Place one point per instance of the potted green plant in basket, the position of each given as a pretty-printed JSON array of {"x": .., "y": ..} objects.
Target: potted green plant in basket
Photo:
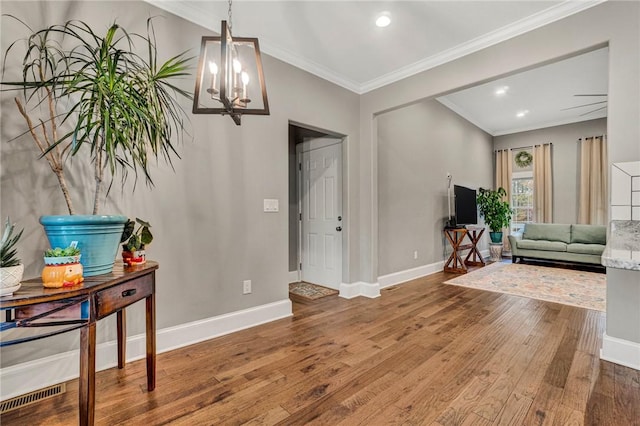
[
  {"x": 96, "y": 95},
  {"x": 135, "y": 241},
  {"x": 11, "y": 267},
  {"x": 495, "y": 211}
]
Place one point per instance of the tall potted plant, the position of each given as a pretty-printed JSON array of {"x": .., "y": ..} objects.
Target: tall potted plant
[
  {"x": 495, "y": 211},
  {"x": 103, "y": 99}
]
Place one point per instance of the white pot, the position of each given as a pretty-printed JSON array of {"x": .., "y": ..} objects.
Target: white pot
[{"x": 10, "y": 278}]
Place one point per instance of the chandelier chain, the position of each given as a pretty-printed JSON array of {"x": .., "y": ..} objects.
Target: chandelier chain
[{"x": 230, "y": 1}]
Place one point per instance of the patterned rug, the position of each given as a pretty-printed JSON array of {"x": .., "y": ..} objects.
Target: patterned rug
[
  {"x": 567, "y": 286},
  {"x": 310, "y": 291}
]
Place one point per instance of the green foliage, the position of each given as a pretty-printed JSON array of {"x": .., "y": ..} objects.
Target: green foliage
[
  {"x": 136, "y": 239},
  {"x": 122, "y": 107},
  {"x": 62, "y": 252},
  {"x": 495, "y": 211},
  {"x": 8, "y": 252}
]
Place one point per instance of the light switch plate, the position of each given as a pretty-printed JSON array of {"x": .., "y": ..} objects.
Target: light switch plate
[{"x": 271, "y": 205}]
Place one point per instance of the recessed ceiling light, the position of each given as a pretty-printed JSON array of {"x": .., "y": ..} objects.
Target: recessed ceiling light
[
  {"x": 501, "y": 91},
  {"x": 383, "y": 19},
  {"x": 522, "y": 113}
]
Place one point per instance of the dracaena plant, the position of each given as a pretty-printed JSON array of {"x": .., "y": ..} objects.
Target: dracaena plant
[{"x": 118, "y": 106}]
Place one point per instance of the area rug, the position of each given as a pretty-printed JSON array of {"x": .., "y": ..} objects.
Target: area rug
[
  {"x": 567, "y": 286},
  {"x": 310, "y": 291}
]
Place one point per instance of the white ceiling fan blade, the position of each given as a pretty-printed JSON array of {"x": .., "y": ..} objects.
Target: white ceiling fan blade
[
  {"x": 583, "y": 105},
  {"x": 591, "y": 112}
]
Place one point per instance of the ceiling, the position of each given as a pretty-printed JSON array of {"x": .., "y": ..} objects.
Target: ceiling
[
  {"x": 338, "y": 41},
  {"x": 547, "y": 93}
]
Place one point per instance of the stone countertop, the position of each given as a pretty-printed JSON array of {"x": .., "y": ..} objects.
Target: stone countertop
[{"x": 623, "y": 246}]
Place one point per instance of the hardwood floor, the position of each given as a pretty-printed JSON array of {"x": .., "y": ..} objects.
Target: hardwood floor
[{"x": 423, "y": 353}]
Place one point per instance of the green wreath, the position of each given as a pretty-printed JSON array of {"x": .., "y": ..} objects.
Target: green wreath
[{"x": 523, "y": 159}]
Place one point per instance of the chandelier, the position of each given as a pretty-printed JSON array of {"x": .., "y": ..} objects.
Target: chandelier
[{"x": 230, "y": 80}]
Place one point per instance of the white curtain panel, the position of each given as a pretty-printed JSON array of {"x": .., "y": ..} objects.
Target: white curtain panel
[
  {"x": 542, "y": 184},
  {"x": 594, "y": 186},
  {"x": 504, "y": 166}
]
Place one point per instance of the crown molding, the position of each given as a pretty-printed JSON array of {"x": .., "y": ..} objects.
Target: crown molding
[
  {"x": 530, "y": 23},
  {"x": 194, "y": 12},
  {"x": 536, "y": 126},
  {"x": 197, "y": 13},
  {"x": 546, "y": 125},
  {"x": 308, "y": 66},
  {"x": 465, "y": 114}
]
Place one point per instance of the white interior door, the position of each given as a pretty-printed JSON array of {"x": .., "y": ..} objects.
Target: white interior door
[{"x": 321, "y": 212}]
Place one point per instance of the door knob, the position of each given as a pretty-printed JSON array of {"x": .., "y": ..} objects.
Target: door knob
[{"x": 338, "y": 228}]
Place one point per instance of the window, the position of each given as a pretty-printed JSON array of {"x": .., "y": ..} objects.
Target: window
[{"x": 521, "y": 200}]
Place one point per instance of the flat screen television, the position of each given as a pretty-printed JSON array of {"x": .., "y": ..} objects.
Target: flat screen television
[{"x": 466, "y": 208}]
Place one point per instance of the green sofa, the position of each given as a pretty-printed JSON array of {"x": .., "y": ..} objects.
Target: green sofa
[{"x": 558, "y": 242}]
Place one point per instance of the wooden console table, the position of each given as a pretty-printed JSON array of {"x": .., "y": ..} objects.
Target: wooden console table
[
  {"x": 80, "y": 308},
  {"x": 455, "y": 236}
]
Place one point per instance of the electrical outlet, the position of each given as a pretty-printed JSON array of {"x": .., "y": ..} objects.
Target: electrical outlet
[
  {"x": 415, "y": 254},
  {"x": 246, "y": 287}
]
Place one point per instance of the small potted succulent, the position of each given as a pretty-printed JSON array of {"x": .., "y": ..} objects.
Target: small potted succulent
[
  {"x": 62, "y": 267},
  {"x": 11, "y": 268},
  {"x": 135, "y": 241}
]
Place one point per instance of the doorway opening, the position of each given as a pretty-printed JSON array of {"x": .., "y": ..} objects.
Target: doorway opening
[{"x": 317, "y": 217}]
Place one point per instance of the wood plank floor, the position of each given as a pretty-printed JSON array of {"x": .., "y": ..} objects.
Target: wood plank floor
[{"x": 425, "y": 353}]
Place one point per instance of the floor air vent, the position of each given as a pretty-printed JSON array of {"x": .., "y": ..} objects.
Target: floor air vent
[{"x": 31, "y": 398}]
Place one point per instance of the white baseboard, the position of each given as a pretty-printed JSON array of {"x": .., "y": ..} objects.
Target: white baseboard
[
  {"x": 350, "y": 290},
  {"x": 409, "y": 274},
  {"x": 33, "y": 375},
  {"x": 370, "y": 290},
  {"x": 359, "y": 288},
  {"x": 419, "y": 272},
  {"x": 620, "y": 351},
  {"x": 294, "y": 277}
]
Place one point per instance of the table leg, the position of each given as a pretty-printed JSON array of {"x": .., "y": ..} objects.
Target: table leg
[
  {"x": 122, "y": 337},
  {"x": 87, "y": 374},
  {"x": 151, "y": 342},
  {"x": 474, "y": 258},
  {"x": 454, "y": 262},
  {"x": 452, "y": 257}
]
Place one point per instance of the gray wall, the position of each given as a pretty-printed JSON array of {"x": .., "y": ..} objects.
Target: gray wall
[
  {"x": 210, "y": 231},
  {"x": 615, "y": 23},
  {"x": 417, "y": 146},
  {"x": 565, "y": 159},
  {"x": 211, "y": 206}
]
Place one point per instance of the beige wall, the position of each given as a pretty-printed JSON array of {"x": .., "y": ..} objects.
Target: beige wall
[
  {"x": 417, "y": 146},
  {"x": 565, "y": 160}
]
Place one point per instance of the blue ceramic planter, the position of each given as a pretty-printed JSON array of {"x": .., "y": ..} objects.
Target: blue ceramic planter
[{"x": 98, "y": 238}]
